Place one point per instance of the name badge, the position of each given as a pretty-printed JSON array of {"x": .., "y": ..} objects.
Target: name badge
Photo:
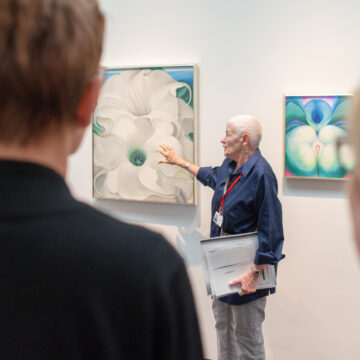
[{"x": 218, "y": 219}]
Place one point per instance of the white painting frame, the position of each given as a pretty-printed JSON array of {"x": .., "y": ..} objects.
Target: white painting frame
[{"x": 138, "y": 109}]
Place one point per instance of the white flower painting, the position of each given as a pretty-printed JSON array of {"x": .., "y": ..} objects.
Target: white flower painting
[{"x": 137, "y": 110}]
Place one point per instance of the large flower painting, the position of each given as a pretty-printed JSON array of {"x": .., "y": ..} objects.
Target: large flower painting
[
  {"x": 139, "y": 109},
  {"x": 312, "y": 126}
]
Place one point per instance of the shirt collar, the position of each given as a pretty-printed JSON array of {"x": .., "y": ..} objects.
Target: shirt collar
[
  {"x": 246, "y": 168},
  {"x": 27, "y": 187}
]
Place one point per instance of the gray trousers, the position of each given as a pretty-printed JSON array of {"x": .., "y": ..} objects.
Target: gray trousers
[{"x": 239, "y": 330}]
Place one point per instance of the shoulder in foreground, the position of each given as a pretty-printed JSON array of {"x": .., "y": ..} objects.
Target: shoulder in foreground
[{"x": 101, "y": 227}]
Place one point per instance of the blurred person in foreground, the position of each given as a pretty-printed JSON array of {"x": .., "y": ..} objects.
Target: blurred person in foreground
[
  {"x": 74, "y": 283},
  {"x": 245, "y": 200},
  {"x": 354, "y": 188}
]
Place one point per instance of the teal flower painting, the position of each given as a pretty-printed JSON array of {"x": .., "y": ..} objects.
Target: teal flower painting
[
  {"x": 139, "y": 109},
  {"x": 312, "y": 126}
]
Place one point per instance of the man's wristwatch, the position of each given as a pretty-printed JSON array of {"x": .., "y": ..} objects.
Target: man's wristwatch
[{"x": 255, "y": 271}]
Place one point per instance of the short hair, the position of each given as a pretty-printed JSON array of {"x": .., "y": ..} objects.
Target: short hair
[
  {"x": 49, "y": 50},
  {"x": 354, "y": 133},
  {"x": 247, "y": 124}
]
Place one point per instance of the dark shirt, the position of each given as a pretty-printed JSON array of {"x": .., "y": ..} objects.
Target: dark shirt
[
  {"x": 77, "y": 284},
  {"x": 251, "y": 205}
]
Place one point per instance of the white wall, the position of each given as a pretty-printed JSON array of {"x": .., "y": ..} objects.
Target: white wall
[{"x": 249, "y": 54}]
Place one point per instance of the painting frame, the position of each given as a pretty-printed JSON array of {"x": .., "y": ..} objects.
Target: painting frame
[
  {"x": 169, "y": 69},
  {"x": 313, "y": 96}
]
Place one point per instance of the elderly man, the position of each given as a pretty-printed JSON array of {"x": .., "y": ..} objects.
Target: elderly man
[
  {"x": 75, "y": 283},
  {"x": 245, "y": 199}
]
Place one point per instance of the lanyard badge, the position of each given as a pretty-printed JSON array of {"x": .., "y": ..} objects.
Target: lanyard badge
[
  {"x": 218, "y": 216},
  {"x": 218, "y": 219}
]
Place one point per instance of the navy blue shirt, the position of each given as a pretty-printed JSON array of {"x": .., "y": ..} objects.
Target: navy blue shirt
[{"x": 251, "y": 205}]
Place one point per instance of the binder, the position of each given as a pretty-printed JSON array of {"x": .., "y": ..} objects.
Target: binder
[{"x": 226, "y": 258}]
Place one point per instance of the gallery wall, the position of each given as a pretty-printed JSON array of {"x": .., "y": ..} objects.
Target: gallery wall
[{"x": 250, "y": 53}]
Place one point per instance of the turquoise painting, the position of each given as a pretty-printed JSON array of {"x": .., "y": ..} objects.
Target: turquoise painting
[
  {"x": 138, "y": 109},
  {"x": 312, "y": 126}
]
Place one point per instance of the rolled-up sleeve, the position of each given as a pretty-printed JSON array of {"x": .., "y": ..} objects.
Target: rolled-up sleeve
[
  {"x": 269, "y": 224},
  {"x": 207, "y": 175}
]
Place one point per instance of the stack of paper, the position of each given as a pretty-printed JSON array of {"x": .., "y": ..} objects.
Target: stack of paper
[{"x": 226, "y": 258}]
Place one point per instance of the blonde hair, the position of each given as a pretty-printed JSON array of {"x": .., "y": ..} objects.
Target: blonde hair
[
  {"x": 247, "y": 124},
  {"x": 49, "y": 49}
]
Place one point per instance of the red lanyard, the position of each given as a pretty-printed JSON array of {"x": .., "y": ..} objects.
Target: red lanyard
[{"x": 228, "y": 190}]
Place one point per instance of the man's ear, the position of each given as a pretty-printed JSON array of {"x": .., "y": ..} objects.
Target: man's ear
[{"x": 88, "y": 102}]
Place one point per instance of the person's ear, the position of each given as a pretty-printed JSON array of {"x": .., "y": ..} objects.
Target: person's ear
[
  {"x": 246, "y": 139},
  {"x": 88, "y": 102}
]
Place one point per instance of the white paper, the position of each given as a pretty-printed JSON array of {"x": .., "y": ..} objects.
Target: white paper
[{"x": 226, "y": 258}]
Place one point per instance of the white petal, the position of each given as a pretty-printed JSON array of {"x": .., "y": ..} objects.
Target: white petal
[
  {"x": 109, "y": 107},
  {"x": 175, "y": 113},
  {"x": 125, "y": 129},
  {"x": 149, "y": 178},
  {"x": 117, "y": 87},
  {"x": 133, "y": 88},
  {"x": 99, "y": 185},
  {"x": 109, "y": 152},
  {"x": 186, "y": 119},
  {"x": 186, "y": 116},
  {"x": 163, "y": 127},
  {"x": 144, "y": 128},
  {"x": 181, "y": 186},
  {"x": 125, "y": 91},
  {"x": 124, "y": 182},
  {"x": 187, "y": 127},
  {"x": 161, "y": 119},
  {"x": 187, "y": 147},
  {"x": 153, "y": 144},
  {"x": 164, "y": 102},
  {"x": 152, "y": 80}
]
